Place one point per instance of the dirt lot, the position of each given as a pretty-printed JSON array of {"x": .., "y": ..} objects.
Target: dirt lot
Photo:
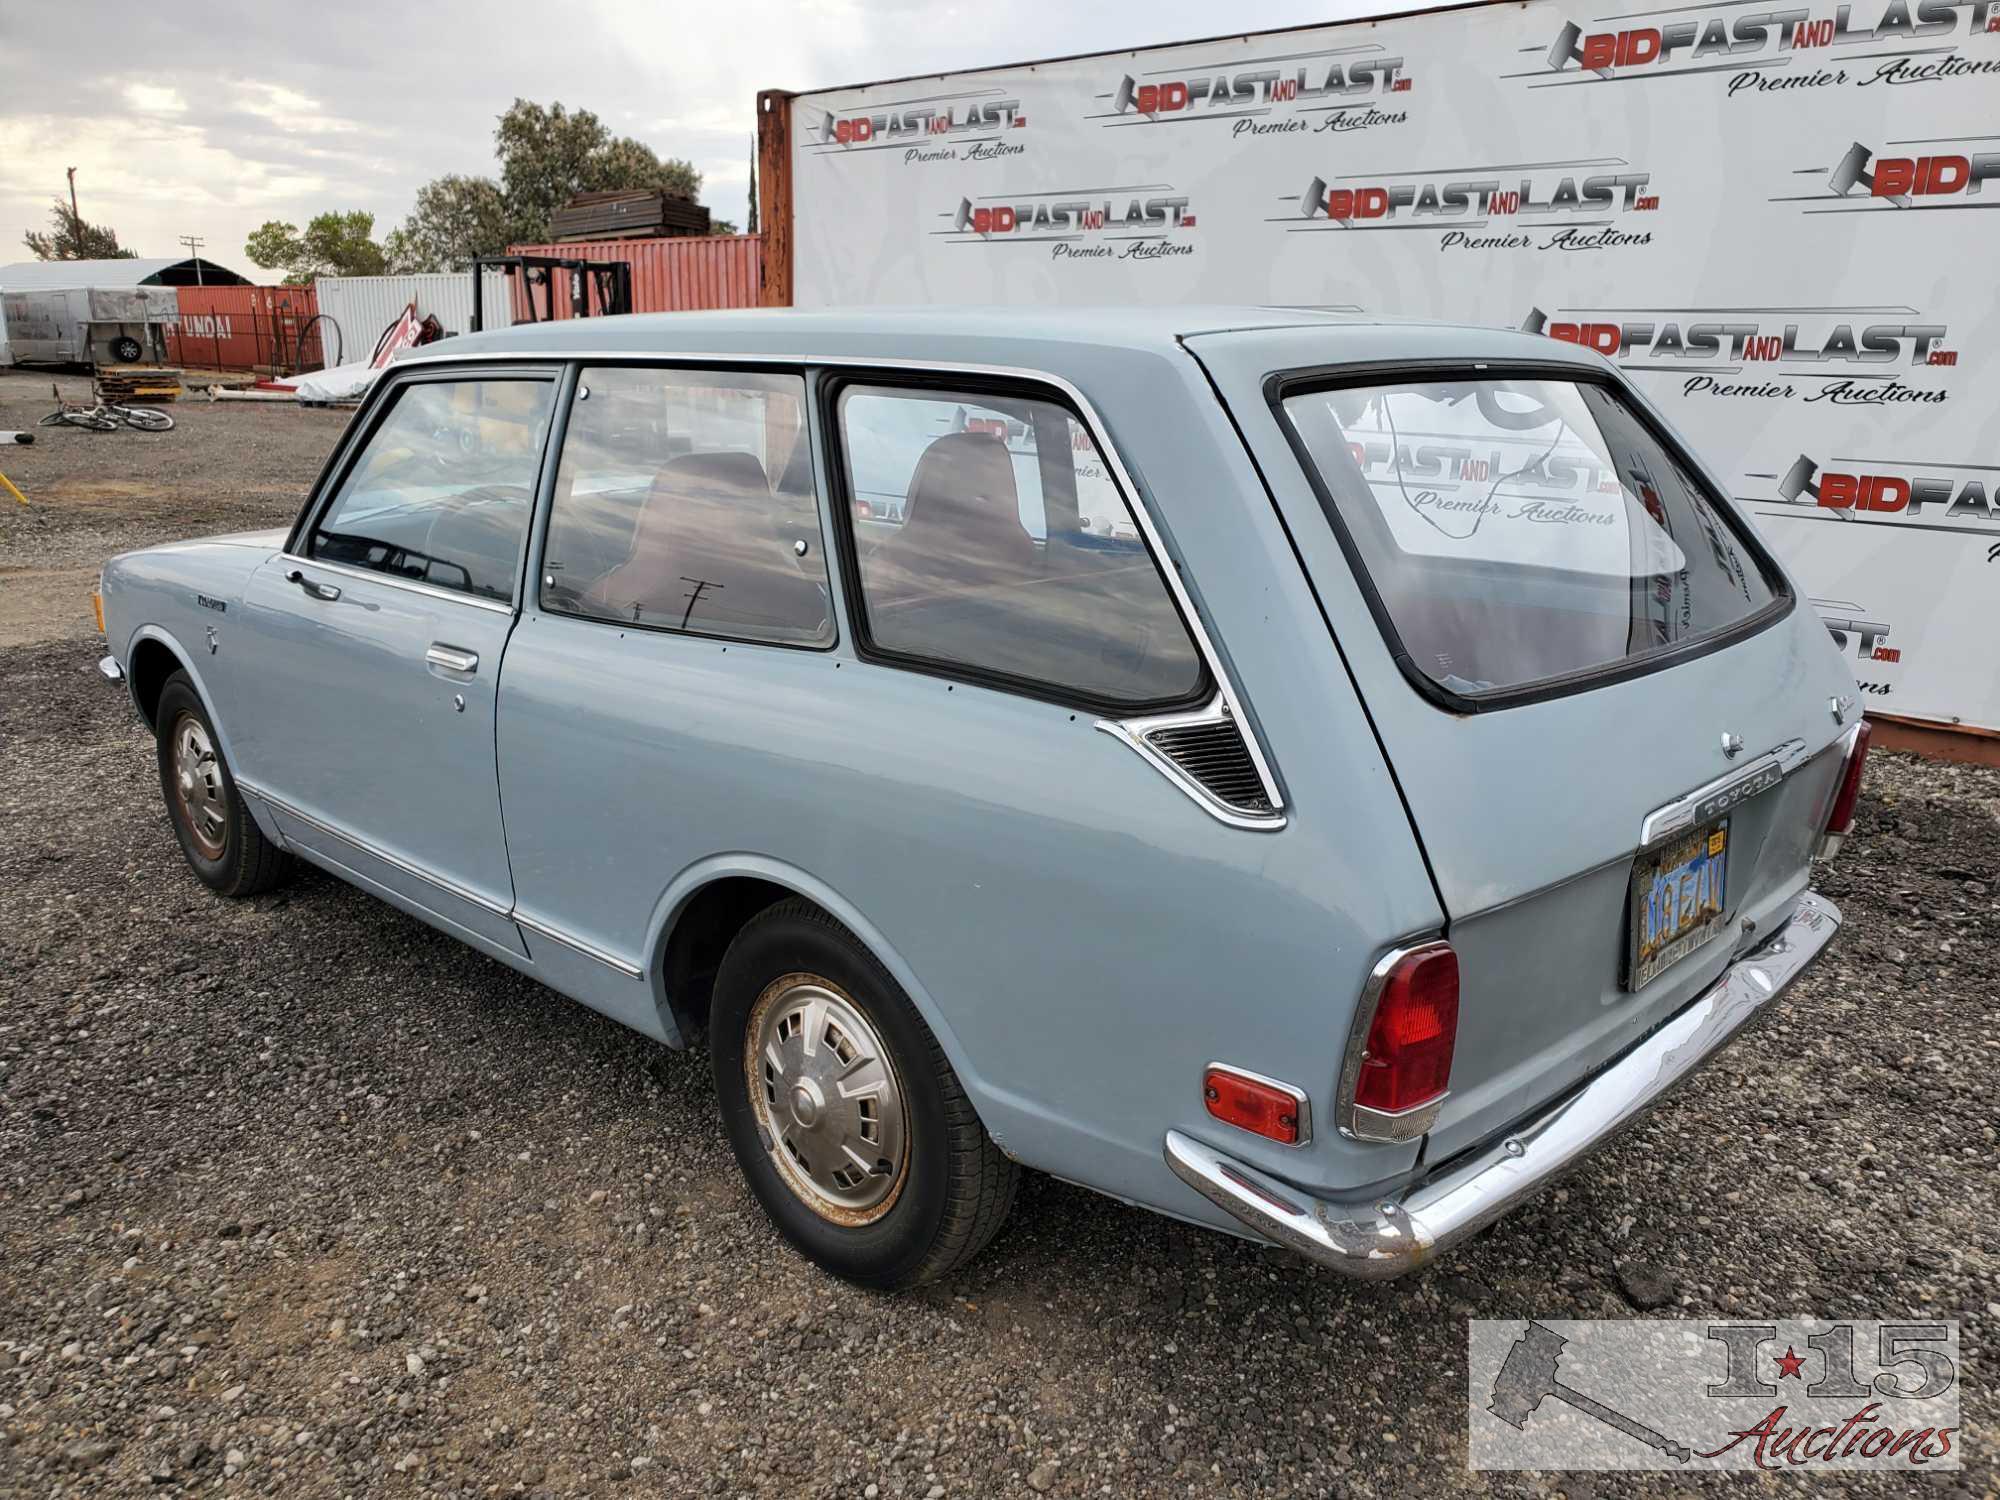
[{"x": 300, "y": 1198}]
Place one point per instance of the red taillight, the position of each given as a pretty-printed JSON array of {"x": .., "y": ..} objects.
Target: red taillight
[
  {"x": 1841, "y": 818},
  {"x": 1408, "y": 1058},
  {"x": 1252, "y": 1104}
]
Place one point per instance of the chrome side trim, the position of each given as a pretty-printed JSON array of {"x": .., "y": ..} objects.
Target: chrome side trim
[
  {"x": 1357, "y": 1121},
  {"x": 410, "y": 585},
  {"x": 1134, "y": 732},
  {"x": 395, "y": 861},
  {"x": 1402, "y": 1229},
  {"x": 109, "y": 666},
  {"x": 1715, "y": 798},
  {"x": 1141, "y": 514},
  {"x": 1302, "y": 1102},
  {"x": 577, "y": 945}
]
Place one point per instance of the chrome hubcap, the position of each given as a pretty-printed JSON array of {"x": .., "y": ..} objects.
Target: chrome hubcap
[
  {"x": 828, "y": 1105},
  {"x": 204, "y": 803}
]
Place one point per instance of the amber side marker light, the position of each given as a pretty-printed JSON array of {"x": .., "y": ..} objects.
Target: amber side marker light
[
  {"x": 97, "y": 608},
  {"x": 1258, "y": 1105}
]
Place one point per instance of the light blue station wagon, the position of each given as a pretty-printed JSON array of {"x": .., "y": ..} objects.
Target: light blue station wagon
[{"x": 1315, "y": 778}]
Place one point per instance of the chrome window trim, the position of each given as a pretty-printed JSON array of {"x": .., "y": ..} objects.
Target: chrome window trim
[
  {"x": 1357, "y": 1121},
  {"x": 578, "y": 945},
  {"x": 429, "y": 589},
  {"x": 1701, "y": 804},
  {"x": 1133, "y": 732},
  {"x": 394, "y": 861},
  {"x": 1300, "y": 1100},
  {"x": 1135, "y": 498}
]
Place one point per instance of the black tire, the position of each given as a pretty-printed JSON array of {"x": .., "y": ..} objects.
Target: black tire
[
  {"x": 955, "y": 1188},
  {"x": 126, "y": 349},
  {"x": 222, "y": 842}
]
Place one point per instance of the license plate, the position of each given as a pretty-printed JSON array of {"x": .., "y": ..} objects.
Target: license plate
[{"x": 1678, "y": 892}]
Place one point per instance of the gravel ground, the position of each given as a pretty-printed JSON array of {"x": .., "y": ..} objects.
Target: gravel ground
[{"x": 300, "y": 1198}]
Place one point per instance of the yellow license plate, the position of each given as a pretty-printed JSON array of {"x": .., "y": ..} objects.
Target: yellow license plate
[{"x": 1678, "y": 895}]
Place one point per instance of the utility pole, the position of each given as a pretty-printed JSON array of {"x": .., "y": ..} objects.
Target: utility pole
[
  {"x": 74, "y": 216},
  {"x": 194, "y": 243}
]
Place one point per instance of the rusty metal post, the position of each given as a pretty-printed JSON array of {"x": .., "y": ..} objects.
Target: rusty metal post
[{"x": 774, "y": 194}]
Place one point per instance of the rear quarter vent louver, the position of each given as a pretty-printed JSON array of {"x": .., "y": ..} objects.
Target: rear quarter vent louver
[
  {"x": 1214, "y": 756},
  {"x": 1208, "y": 754}
]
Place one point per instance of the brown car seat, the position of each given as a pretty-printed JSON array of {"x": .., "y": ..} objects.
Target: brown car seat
[
  {"x": 705, "y": 555},
  {"x": 961, "y": 525}
]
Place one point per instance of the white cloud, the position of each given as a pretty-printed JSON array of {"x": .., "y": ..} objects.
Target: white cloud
[
  {"x": 289, "y": 110},
  {"x": 153, "y": 99}
]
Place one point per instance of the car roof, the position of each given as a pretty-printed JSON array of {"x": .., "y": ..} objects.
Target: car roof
[{"x": 976, "y": 335}]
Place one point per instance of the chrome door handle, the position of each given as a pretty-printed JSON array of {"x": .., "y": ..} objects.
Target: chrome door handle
[
  {"x": 324, "y": 591},
  {"x": 452, "y": 658}
]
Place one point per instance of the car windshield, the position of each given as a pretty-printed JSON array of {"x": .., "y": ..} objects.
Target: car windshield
[{"x": 1515, "y": 531}]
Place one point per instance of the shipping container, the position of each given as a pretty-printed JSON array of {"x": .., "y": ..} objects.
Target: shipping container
[
  {"x": 677, "y": 274},
  {"x": 249, "y": 328},
  {"x": 363, "y": 306}
]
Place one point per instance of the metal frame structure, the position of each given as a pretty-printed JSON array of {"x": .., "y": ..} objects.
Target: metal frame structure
[{"x": 611, "y": 280}]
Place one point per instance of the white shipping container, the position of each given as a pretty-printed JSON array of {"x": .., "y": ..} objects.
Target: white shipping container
[{"x": 365, "y": 305}]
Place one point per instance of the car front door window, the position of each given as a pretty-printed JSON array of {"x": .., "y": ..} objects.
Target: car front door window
[{"x": 442, "y": 491}]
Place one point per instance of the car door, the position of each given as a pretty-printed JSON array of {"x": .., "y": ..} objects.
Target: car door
[
  {"x": 379, "y": 634},
  {"x": 681, "y": 593}
]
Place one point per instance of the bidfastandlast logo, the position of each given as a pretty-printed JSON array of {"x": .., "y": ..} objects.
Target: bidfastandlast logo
[
  {"x": 1317, "y": 93},
  {"x": 1856, "y": 487},
  {"x": 1135, "y": 224},
  {"x": 1548, "y": 207},
  {"x": 1796, "y": 1396},
  {"x": 1766, "y": 50},
  {"x": 1893, "y": 182},
  {"x": 1854, "y": 633},
  {"x": 1765, "y": 353},
  {"x": 931, "y": 130}
]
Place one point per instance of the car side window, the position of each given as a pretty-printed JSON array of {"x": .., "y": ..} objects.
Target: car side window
[
  {"x": 685, "y": 501},
  {"x": 443, "y": 489},
  {"x": 990, "y": 535}
]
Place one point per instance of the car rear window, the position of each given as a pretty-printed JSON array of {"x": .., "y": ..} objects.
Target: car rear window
[{"x": 1516, "y": 532}]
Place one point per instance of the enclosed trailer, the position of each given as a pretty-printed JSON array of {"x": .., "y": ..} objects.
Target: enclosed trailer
[{"x": 90, "y": 325}]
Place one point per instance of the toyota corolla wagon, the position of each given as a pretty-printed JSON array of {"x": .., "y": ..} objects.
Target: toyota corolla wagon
[{"x": 1314, "y": 778}]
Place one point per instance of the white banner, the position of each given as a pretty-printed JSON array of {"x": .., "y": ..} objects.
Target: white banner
[{"x": 1758, "y": 209}]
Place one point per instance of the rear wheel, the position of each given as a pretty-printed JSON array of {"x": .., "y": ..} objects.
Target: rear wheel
[
  {"x": 221, "y": 840},
  {"x": 849, "y": 1123}
]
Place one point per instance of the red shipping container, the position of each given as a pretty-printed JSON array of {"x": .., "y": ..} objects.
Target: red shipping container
[
  {"x": 246, "y": 328},
  {"x": 676, "y": 274}
]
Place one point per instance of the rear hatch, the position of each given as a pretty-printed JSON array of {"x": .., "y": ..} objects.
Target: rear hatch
[{"x": 1611, "y": 721}]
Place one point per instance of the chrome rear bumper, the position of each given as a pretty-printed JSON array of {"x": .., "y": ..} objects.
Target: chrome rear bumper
[{"x": 1385, "y": 1237}]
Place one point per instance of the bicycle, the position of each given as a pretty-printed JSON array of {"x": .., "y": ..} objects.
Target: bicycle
[{"x": 106, "y": 417}]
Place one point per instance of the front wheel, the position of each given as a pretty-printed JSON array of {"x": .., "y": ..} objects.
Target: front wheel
[
  {"x": 222, "y": 842},
  {"x": 849, "y": 1123},
  {"x": 145, "y": 418}
]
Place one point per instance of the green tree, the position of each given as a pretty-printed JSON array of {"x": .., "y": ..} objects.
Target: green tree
[
  {"x": 332, "y": 244},
  {"x": 455, "y": 219},
  {"x": 752, "y": 220},
  {"x": 549, "y": 155},
  {"x": 70, "y": 238}
]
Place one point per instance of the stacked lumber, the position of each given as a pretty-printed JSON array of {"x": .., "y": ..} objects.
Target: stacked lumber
[
  {"x": 627, "y": 215},
  {"x": 137, "y": 383}
]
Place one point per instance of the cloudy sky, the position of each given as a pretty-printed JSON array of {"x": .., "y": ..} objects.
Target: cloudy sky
[{"x": 208, "y": 119}]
